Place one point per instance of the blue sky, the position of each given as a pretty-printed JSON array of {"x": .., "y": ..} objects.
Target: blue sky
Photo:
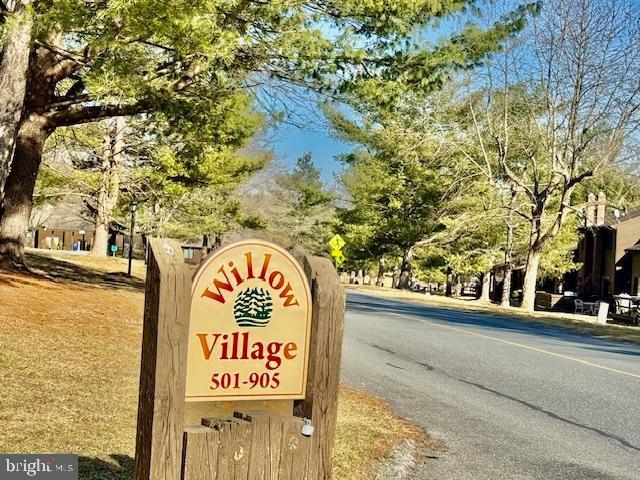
[{"x": 291, "y": 142}]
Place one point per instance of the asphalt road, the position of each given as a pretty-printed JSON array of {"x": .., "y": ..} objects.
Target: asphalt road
[{"x": 509, "y": 400}]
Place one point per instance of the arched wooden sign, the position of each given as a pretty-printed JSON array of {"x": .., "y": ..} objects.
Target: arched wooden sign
[{"x": 250, "y": 325}]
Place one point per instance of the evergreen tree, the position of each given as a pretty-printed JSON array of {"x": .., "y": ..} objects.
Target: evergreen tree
[
  {"x": 184, "y": 60},
  {"x": 297, "y": 208},
  {"x": 183, "y": 182}
]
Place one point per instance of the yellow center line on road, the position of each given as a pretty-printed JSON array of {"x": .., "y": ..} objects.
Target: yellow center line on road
[{"x": 516, "y": 344}]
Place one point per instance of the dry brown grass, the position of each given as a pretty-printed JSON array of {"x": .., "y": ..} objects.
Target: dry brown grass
[
  {"x": 70, "y": 356},
  {"x": 114, "y": 265},
  {"x": 579, "y": 323},
  {"x": 367, "y": 432}
]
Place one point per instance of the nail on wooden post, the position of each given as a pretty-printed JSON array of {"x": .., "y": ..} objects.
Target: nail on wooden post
[
  {"x": 323, "y": 378},
  {"x": 163, "y": 368}
]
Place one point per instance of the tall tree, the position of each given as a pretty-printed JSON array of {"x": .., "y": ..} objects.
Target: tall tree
[
  {"x": 109, "y": 184},
  {"x": 310, "y": 211},
  {"x": 16, "y": 30},
  {"x": 396, "y": 203},
  {"x": 94, "y": 60},
  {"x": 295, "y": 206},
  {"x": 578, "y": 109},
  {"x": 182, "y": 179}
]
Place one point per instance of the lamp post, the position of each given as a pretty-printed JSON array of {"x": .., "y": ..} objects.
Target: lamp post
[{"x": 134, "y": 207}]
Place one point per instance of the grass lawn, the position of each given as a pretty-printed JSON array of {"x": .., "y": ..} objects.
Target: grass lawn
[
  {"x": 578, "y": 323},
  {"x": 70, "y": 359}
]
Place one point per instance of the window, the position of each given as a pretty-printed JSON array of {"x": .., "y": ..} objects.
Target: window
[{"x": 188, "y": 253}]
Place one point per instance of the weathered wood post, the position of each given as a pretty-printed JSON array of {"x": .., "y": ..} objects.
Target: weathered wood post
[
  {"x": 164, "y": 363},
  {"x": 323, "y": 378},
  {"x": 232, "y": 350}
]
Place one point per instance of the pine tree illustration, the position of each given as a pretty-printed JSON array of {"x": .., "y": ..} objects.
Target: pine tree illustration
[{"x": 253, "y": 308}]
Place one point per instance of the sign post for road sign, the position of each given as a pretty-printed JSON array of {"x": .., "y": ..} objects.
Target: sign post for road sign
[{"x": 336, "y": 243}]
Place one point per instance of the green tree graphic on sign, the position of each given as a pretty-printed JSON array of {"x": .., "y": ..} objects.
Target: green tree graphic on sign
[{"x": 253, "y": 308}]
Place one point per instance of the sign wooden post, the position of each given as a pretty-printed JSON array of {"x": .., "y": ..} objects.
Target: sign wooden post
[
  {"x": 323, "y": 378},
  {"x": 255, "y": 332},
  {"x": 164, "y": 363}
]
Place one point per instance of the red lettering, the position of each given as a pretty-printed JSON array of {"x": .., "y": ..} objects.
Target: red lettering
[
  {"x": 249, "y": 265},
  {"x": 236, "y": 274},
  {"x": 272, "y": 280},
  {"x": 206, "y": 350},
  {"x": 238, "y": 346},
  {"x": 217, "y": 296},
  {"x": 288, "y": 349},
  {"x": 290, "y": 298},
  {"x": 265, "y": 265},
  {"x": 234, "y": 355}
]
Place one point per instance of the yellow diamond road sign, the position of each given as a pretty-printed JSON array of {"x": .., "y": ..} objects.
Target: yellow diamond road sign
[{"x": 337, "y": 242}]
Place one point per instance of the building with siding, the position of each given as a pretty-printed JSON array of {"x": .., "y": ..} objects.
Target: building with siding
[
  {"x": 608, "y": 251},
  {"x": 62, "y": 227}
]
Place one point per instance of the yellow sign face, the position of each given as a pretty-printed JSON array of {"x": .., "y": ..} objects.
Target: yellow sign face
[
  {"x": 337, "y": 242},
  {"x": 250, "y": 325}
]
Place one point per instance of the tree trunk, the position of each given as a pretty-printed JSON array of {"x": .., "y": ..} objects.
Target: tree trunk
[
  {"x": 101, "y": 236},
  {"x": 405, "y": 270},
  {"x": 109, "y": 185},
  {"x": 448, "y": 289},
  {"x": 13, "y": 82},
  {"x": 15, "y": 211},
  {"x": 531, "y": 280},
  {"x": 458, "y": 289},
  {"x": 486, "y": 283},
  {"x": 380, "y": 277},
  {"x": 505, "y": 301}
]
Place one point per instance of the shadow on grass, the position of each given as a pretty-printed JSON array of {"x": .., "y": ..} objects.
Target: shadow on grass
[
  {"x": 15, "y": 281},
  {"x": 120, "y": 468},
  {"x": 65, "y": 272}
]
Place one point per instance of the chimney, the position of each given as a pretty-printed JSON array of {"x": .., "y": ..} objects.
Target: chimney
[
  {"x": 600, "y": 208},
  {"x": 591, "y": 210}
]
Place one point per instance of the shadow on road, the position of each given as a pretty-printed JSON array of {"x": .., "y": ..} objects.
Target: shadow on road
[{"x": 362, "y": 303}]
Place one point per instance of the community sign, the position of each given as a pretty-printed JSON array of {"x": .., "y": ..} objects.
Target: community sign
[{"x": 250, "y": 325}]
